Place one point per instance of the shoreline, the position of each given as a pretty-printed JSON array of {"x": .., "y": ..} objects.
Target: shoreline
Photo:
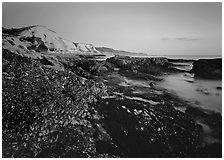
[
  {"x": 113, "y": 108},
  {"x": 129, "y": 88}
]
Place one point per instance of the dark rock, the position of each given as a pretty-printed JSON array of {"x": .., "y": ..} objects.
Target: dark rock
[
  {"x": 208, "y": 68},
  {"x": 219, "y": 88},
  {"x": 37, "y": 44},
  {"x": 45, "y": 112},
  {"x": 203, "y": 91},
  {"x": 212, "y": 119},
  {"x": 140, "y": 68},
  {"x": 122, "y": 61},
  {"x": 180, "y": 60},
  {"x": 107, "y": 147},
  {"x": 85, "y": 67},
  {"x": 211, "y": 150},
  {"x": 141, "y": 130},
  {"x": 45, "y": 61},
  {"x": 196, "y": 112}
]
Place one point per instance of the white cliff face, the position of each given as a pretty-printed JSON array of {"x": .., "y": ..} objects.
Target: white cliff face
[
  {"x": 13, "y": 44},
  {"x": 40, "y": 39},
  {"x": 86, "y": 48}
]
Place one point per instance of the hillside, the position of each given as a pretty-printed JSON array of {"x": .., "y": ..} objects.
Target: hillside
[{"x": 41, "y": 39}]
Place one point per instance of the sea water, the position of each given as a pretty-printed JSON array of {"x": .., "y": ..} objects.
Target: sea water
[
  {"x": 186, "y": 57},
  {"x": 199, "y": 92}
]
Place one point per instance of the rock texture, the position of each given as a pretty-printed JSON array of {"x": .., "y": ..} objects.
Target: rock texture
[
  {"x": 208, "y": 68},
  {"x": 46, "y": 113},
  {"x": 141, "y": 68},
  {"x": 143, "y": 130},
  {"x": 120, "y": 61}
]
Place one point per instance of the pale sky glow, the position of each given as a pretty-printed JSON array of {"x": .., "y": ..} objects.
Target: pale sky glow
[{"x": 153, "y": 28}]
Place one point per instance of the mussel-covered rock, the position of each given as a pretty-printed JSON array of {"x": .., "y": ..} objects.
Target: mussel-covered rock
[
  {"x": 46, "y": 112},
  {"x": 143, "y": 130}
]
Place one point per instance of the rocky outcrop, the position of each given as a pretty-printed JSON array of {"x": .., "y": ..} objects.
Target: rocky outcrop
[
  {"x": 142, "y": 130},
  {"x": 121, "y": 61},
  {"x": 180, "y": 60},
  {"x": 47, "y": 113},
  {"x": 140, "y": 68},
  {"x": 67, "y": 113},
  {"x": 208, "y": 68}
]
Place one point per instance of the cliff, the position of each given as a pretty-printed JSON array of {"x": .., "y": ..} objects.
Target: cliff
[{"x": 41, "y": 39}]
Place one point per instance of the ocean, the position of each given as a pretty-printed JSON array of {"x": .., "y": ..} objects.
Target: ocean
[
  {"x": 199, "y": 92},
  {"x": 188, "y": 57}
]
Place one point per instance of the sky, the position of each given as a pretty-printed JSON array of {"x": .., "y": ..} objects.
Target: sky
[{"x": 162, "y": 28}]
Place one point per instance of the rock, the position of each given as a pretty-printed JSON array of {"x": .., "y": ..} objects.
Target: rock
[
  {"x": 102, "y": 68},
  {"x": 141, "y": 68},
  {"x": 151, "y": 84},
  {"x": 161, "y": 131},
  {"x": 46, "y": 61},
  {"x": 208, "y": 68},
  {"x": 47, "y": 110},
  {"x": 118, "y": 61},
  {"x": 190, "y": 81},
  {"x": 190, "y": 75},
  {"x": 122, "y": 61},
  {"x": 195, "y": 111},
  {"x": 181, "y": 60},
  {"x": 211, "y": 150},
  {"x": 82, "y": 80},
  {"x": 204, "y": 91},
  {"x": 219, "y": 88}
]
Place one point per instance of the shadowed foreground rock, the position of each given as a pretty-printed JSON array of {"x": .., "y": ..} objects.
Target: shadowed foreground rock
[
  {"x": 143, "y": 130},
  {"x": 46, "y": 112}
]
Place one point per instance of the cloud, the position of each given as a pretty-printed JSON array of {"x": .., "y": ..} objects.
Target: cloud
[
  {"x": 165, "y": 38},
  {"x": 179, "y": 39}
]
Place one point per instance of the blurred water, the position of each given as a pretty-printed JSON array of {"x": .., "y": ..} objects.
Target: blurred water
[
  {"x": 187, "y": 66},
  {"x": 194, "y": 57},
  {"x": 188, "y": 57},
  {"x": 200, "y": 92}
]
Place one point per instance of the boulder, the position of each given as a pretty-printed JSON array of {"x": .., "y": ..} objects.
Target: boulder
[
  {"x": 208, "y": 68},
  {"x": 218, "y": 88}
]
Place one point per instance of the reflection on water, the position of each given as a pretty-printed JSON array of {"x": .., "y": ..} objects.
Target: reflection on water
[{"x": 200, "y": 92}]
